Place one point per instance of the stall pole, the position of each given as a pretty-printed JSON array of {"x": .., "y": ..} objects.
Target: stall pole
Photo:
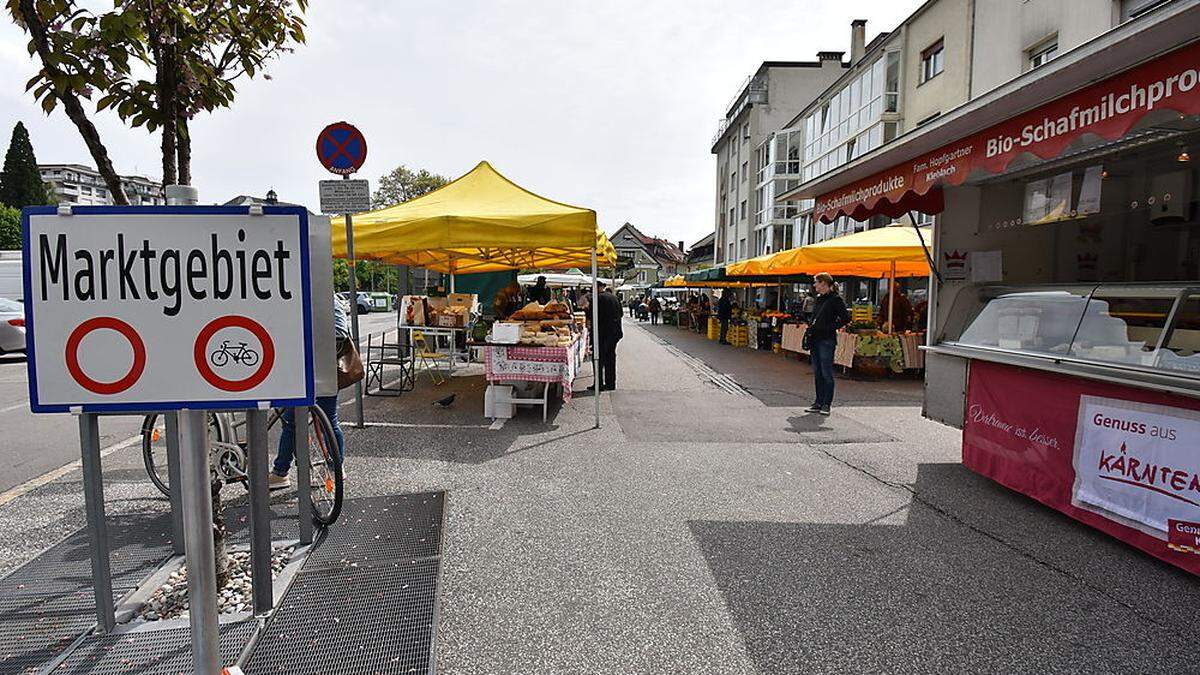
[
  {"x": 195, "y": 477},
  {"x": 452, "y": 275},
  {"x": 892, "y": 298},
  {"x": 596, "y": 337},
  {"x": 260, "y": 507},
  {"x": 93, "y": 499},
  {"x": 358, "y": 386}
]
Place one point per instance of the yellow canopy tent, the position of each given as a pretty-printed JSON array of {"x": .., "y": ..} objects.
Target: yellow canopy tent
[
  {"x": 864, "y": 254},
  {"x": 481, "y": 222}
]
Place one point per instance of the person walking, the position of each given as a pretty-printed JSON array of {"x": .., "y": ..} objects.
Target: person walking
[
  {"x": 655, "y": 310},
  {"x": 328, "y": 404},
  {"x": 725, "y": 313},
  {"x": 829, "y": 314},
  {"x": 608, "y": 331}
]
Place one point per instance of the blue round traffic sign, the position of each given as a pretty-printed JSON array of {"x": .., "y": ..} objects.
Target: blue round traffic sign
[{"x": 341, "y": 148}]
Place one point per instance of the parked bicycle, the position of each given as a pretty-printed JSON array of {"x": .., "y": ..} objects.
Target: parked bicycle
[
  {"x": 228, "y": 456},
  {"x": 240, "y": 353}
]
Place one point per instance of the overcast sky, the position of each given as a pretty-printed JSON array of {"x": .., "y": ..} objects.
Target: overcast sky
[{"x": 609, "y": 105}]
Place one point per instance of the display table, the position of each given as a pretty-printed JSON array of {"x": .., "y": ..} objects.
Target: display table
[
  {"x": 435, "y": 336},
  {"x": 504, "y": 364}
]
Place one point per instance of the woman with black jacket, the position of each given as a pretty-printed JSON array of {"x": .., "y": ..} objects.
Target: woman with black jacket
[{"x": 828, "y": 315}]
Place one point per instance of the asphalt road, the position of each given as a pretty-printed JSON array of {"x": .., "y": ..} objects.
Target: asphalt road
[{"x": 32, "y": 445}]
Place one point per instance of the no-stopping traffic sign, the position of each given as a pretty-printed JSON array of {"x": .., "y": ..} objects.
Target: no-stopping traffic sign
[
  {"x": 159, "y": 308},
  {"x": 341, "y": 148}
]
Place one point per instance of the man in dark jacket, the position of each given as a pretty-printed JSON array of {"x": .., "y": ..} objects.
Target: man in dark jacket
[
  {"x": 829, "y": 314},
  {"x": 725, "y": 313},
  {"x": 539, "y": 292},
  {"x": 608, "y": 332}
]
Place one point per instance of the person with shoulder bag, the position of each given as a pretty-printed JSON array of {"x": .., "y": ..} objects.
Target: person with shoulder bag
[
  {"x": 349, "y": 371},
  {"x": 829, "y": 315}
]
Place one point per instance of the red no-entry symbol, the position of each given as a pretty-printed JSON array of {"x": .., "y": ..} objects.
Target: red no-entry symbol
[
  {"x": 341, "y": 148},
  {"x": 239, "y": 353},
  {"x": 98, "y": 323}
]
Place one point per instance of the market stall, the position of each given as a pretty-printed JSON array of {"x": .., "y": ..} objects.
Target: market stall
[
  {"x": 480, "y": 222},
  {"x": 869, "y": 344},
  {"x": 1065, "y": 324}
]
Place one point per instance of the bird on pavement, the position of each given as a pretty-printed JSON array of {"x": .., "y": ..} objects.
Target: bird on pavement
[{"x": 445, "y": 402}]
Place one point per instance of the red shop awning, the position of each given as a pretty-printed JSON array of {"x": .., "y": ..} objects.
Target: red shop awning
[{"x": 1107, "y": 109}]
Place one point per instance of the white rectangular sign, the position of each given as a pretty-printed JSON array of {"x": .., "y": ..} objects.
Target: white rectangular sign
[
  {"x": 345, "y": 196},
  {"x": 160, "y": 308},
  {"x": 1137, "y": 463}
]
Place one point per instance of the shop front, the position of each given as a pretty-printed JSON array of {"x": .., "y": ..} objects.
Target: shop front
[{"x": 1064, "y": 323}]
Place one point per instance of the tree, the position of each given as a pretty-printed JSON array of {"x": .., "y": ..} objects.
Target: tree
[
  {"x": 10, "y": 228},
  {"x": 21, "y": 183},
  {"x": 74, "y": 63},
  {"x": 402, "y": 184},
  {"x": 196, "y": 50}
]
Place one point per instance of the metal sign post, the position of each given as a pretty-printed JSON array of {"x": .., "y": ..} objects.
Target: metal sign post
[
  {"x": 172, "y": 431},
  {"x": 260, "y": 510},
  {"x": 196, "y": 497},
  {"x": 93, "y": 497},
  {"x": 358, "y": 386},
  {"x": 342, "y": 149}
]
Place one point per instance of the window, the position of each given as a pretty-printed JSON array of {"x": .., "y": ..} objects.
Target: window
[
  {"x": 746, "y": 133},
  {"x": 742, "y": 248},
  {"x": 932, "y": 61},
  {"x": 1039, "y": 55},
  {"x": 891, "y": 92},
  {"x": 1132, "y": 9},
  {"x": 850, "y": 149},
  {"x": 731, "y": 218},
  {"x": 889, "y": 131},
  {"x": 1183, "y": 346},
  {"x": 730, "y": 258},
  {"x": 742, "y": 212},
  {"x": 745, "y": 170}
]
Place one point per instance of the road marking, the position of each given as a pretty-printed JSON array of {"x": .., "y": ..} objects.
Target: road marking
[
  {"x": 51, "y": 476},
  {"x": 497, "y": 424},
  {"x": 15, "y": 406}
]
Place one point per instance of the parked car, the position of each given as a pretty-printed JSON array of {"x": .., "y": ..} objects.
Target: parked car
[
  {"x": 12, "y": 326},
  {"x": 364, "y": 301}
]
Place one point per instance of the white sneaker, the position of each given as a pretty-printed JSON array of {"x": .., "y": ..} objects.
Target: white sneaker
[{"x": 277, "y": 482}]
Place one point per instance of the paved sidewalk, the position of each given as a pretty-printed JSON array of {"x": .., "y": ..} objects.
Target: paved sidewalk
[{"x": 720, "y": 530}]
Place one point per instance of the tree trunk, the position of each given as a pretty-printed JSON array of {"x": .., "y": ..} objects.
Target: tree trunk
[
  {"x": 74, "y": 109},
  {"x": 184, "y": 151},
  {"x": 166, "y": 81},
  {"x": 221, "y": 554}
]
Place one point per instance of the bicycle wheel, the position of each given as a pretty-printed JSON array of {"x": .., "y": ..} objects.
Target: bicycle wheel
[
  {"x": 154, "y": 448},
  {"x": 325, "y": 469}
]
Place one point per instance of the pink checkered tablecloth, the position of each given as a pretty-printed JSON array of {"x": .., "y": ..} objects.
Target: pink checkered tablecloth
[{"x": 521, "y": 363}]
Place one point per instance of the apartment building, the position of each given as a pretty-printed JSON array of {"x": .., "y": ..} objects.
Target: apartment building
[
  {"x": 945, "y": 54},
  {"x": 763, "y": 104},
  {"x": 83, "y": 186}
]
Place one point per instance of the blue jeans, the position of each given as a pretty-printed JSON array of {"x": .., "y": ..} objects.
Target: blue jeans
[
  {"x": 287, "y": 437},
  {"x": 821, "y": 355}
]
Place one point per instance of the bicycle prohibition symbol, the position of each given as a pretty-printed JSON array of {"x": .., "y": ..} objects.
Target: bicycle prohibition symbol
[{"x": 240, "y": 354}]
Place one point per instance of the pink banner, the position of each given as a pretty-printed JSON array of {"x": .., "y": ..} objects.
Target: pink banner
[{"x": 1118, "y": 458}]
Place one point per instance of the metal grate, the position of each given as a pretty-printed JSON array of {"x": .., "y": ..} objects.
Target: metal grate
[
  {"x": 366, "y": 599},
  {"x": 398, "y": 527},
  {"x": 284, "y": 522},
  {"x": 150, "y": 652},
  {"x": 137, "y": 546},
  {"x": 369, "y": 620},
  {"x": 48, "y": 602}
]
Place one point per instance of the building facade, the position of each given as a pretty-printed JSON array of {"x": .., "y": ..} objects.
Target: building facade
[
  {"x": 945, "y": 54},
  {"x": 700, "y": 256},
  {"x": 646, "y": 260},
  {"x": 81, "y": 185},
  {"x": 763, "y": 105}
]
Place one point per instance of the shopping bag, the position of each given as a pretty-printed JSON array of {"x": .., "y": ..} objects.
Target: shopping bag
[{"x": 349, "y": 364}]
